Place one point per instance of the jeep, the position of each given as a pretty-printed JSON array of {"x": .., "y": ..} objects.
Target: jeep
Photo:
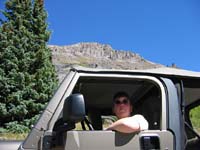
[{"x": 81, "y": 108}]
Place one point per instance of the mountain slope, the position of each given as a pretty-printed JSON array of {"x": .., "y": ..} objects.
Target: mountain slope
[{"x": 95, "y": 55}]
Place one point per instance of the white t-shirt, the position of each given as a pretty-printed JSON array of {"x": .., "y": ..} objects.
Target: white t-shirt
[{"x": 144, "y": 125}]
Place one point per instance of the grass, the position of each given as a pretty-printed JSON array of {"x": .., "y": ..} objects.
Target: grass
[
  {"x": 13, "y": 136},
  {"x": 195, "y": 118}
]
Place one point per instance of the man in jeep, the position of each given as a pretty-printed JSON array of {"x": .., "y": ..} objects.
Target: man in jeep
[{"x": 126, "y": 123}]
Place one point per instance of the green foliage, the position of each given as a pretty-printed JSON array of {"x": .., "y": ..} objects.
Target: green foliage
[
  {"x": 3, "y": 130},
  {"x": 195, "y": 118},
  {"x": 27, "y": 75},
  {"x": 15, "y": 127}
]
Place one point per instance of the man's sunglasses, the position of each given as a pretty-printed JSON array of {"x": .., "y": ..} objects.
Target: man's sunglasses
[{"x": 124, "y": 101}]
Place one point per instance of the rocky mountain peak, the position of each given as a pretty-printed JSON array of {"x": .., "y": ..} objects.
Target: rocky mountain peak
[{"x": 96, "y": 55}]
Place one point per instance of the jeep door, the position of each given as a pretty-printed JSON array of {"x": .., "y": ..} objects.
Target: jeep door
[{"x": 150, "y": 96}]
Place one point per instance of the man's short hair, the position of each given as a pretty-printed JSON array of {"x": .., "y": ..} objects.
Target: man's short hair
[{"x": 120, "y": 94}]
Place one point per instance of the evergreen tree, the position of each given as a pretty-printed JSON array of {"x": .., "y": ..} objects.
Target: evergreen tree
[{"x": 27, "y": 76}]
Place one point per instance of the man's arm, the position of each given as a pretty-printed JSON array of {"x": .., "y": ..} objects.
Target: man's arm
[{"x": 129, "y": 124}]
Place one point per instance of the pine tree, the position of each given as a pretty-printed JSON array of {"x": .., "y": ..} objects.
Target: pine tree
[
  {"x": 44, "y": 71},
  {"x": 27, "y": 76}
]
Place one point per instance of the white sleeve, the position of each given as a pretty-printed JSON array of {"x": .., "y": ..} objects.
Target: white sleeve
[{"x": 144, "y": 125}]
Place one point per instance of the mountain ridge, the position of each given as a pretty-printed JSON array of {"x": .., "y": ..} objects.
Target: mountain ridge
[{"x": 96, "y": 55}]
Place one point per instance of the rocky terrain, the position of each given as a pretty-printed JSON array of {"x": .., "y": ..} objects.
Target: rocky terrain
[{"x": 95, "y": 55}]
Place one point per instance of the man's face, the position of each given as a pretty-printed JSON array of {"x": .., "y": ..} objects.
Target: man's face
[{"x": 122, "y": 107}]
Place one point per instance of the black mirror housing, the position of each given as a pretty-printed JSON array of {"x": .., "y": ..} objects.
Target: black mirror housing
[{"x": 74, "y": 108}]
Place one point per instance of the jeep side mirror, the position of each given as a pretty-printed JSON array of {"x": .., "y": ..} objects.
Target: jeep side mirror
[{"x": 74, "y": 108}]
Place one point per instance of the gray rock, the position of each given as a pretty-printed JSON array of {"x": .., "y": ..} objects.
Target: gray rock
[{"x": 95, "y": 55}]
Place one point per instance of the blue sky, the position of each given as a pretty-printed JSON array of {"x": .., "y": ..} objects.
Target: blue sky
[{"x": 161, "y": 31}]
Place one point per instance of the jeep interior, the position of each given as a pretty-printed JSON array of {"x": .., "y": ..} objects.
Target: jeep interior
[
  {"x": 98, "y": 92},
  {"x": 98, "y": 95}
]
